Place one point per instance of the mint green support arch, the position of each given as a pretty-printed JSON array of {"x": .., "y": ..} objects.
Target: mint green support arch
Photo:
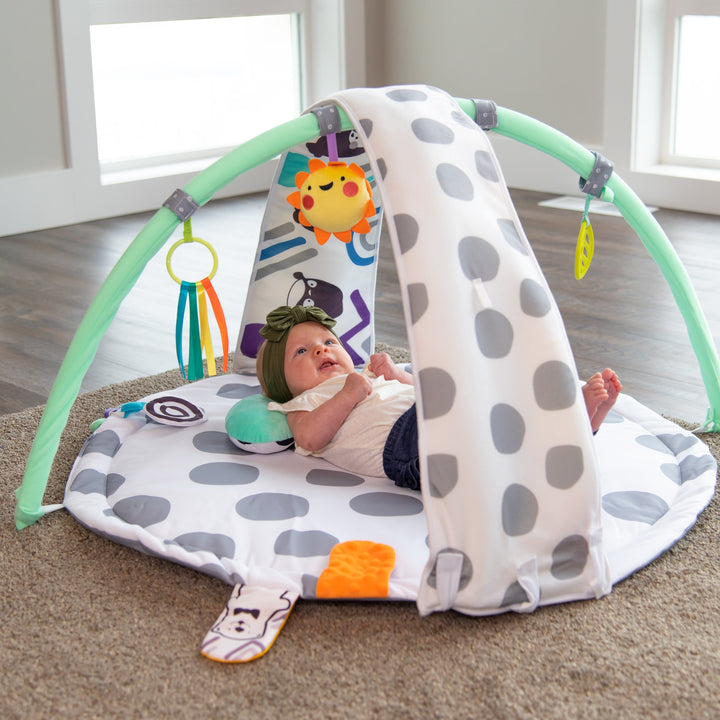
[{"x": 264, "y": 147}]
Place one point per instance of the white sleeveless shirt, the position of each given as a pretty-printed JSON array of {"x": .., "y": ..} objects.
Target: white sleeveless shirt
[{"x": 359, "y": 443}]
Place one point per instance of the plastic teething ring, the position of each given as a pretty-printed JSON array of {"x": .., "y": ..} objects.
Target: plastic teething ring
[{"x": 182, "y": 241}]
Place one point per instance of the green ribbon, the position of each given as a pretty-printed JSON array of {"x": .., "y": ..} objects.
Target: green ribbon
[{"x": 279, "y": 323}]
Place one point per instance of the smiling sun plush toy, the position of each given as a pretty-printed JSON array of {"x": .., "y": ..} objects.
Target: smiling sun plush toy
[{"x": 333, "y": 199}]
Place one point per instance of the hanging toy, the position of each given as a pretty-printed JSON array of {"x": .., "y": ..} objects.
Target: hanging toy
[
  {"x": 195, "y": 295},
  {"x": 333, "y": 198},
  {"x": 585, "y": 243}
]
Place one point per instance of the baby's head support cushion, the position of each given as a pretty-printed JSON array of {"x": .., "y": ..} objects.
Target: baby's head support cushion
[
  {"x": 254, "y": 428},
  {"x": 276, "y": 331}
]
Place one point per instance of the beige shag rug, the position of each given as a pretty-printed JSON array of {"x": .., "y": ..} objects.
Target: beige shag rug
[{"x": 92, "y": 629}]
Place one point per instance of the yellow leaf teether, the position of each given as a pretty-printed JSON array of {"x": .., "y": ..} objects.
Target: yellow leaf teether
[{"x": 584, "y": 249}]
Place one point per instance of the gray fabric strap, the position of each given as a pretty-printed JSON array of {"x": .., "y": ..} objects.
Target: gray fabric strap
[
  {"x": 328, "y": 118},
  {"x": 486, "y": 114},
  {"x": 181, "y": 204},
  {"x": 601, "y": 172}
]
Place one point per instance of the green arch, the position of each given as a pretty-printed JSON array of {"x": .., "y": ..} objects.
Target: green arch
[{"x": 264, "y": 147}]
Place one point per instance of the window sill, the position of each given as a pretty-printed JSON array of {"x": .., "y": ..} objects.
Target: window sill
[
  {"x": 686, "y": 172},
  {"x": 148, "y": 172}
]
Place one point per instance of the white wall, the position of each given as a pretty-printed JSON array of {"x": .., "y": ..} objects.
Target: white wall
[
  {"x": 544, "y": 59},
  {"x": 31, "y": 126}
]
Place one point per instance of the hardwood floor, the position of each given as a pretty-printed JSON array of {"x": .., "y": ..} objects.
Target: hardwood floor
[{"x": 622, "y": 314}]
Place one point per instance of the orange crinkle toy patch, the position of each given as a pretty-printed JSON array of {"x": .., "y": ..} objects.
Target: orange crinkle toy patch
[{"x": 357, "y": 569}]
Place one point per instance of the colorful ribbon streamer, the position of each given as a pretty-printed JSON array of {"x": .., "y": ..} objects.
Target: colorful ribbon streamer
[{"x": 193, "y": 296}]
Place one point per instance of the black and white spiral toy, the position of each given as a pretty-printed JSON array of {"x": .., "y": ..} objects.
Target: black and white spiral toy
[{"x": 172, "y": 410}]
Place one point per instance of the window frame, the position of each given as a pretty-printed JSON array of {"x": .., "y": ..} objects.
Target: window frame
[
  {"x": 332, "y": 39},
  {"x": 675, "y": 10}
]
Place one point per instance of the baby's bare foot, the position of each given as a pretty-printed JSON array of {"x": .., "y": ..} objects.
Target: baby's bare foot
[{"x": 600, "y": 393}]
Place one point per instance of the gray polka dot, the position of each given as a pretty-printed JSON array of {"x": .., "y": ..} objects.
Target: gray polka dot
[
  {"x": 564, "y": 466},
  {"x": 519, "y": 510},
  {"x": 613, "y": 417},
  {"x": 142, "y": 510},
  {"x": 406, "y": 95},
  {"x": 653, "y": 443},
  {"x": 479, "y": 260},
  {"x": 333, "y": 478},
  {"x": 383, "y": 504},
  {"x": 432, "y": 131},
  {"x": 693, "y": 467},
  {"x": 442, "y": 474},
  {"x": 466, "y": 570},
  {"x": 367, "y": 126},
  {"x": 104, "y": 442},
  {"x": 418, "y": 296},
  {"x": 214, "y": 441},
  {"x": 272, "y": 506},
  {"x": 514, "y": 595},
  {"x": 224, "y": 473},
  {"x": 304, "y": 543},
  {"x": 634, "y": 505},
  {"x": 454, "y": 182},
  {"x": 554, "y": 386},
  {"x": 485, "y": 166},
  {"x": 678, "y": 442},
  {"x": 114, "y": 481},
  {"x": 309, "y": 586},
  {"x": 89, "y": 481},
  {"x": 494, "y": 333},
  {"x": 511, "y": 235},
  {"x": 672, "y": 471},
  {"x": 407, "y": 231},
  {"x": 382, "y": 167},
  {"x": 507, "y": 428},
  {"x": 216, "y": 543},
  {"x": 569, "y": 557},
  {"x": 533, "y": 298},
  {"x": 437, "y": 389},
  {"x": 237, "y": 391}
]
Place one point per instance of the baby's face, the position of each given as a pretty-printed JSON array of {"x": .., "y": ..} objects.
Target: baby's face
[{"x": 312, "y": 355}]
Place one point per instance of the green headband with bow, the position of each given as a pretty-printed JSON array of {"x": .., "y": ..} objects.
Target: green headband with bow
[{"x": 279, "y": 323}]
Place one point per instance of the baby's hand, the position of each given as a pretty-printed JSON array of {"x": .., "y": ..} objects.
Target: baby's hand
[
  {"x": 383, "y": 366},
  {"x": 357, "y": 386}
]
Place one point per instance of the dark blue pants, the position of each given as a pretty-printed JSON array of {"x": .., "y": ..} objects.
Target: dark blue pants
[{"x": 401, "y": 459}]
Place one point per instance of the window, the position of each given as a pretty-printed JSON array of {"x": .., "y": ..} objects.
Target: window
[
  {"x": 692, "y": 89},
  {"x": 189, "y": 90}
]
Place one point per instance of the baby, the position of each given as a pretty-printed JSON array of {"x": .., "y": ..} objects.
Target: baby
[{"x": 363, "y": 422}]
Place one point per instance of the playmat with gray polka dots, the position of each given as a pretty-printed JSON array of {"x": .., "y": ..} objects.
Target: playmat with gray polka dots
[
  {"x": 520, "y": 505},
  {"x": 189, "y": 495}
]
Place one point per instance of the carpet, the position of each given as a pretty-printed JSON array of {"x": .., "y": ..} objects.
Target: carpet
[{"x": 92, "y": 629}]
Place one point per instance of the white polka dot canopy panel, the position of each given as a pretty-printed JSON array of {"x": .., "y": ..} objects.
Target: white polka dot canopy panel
[{"x": 511, "y": 491}]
